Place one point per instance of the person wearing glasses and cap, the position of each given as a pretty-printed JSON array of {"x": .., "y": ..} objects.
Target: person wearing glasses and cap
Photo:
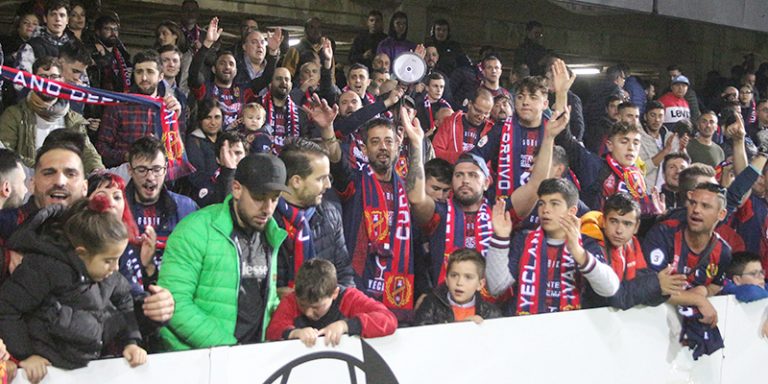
[{"x": 221, "y": 262}]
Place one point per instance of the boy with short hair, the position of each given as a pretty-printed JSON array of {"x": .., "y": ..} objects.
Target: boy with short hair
[
  {"x": 617, "y": 172},
  {"x": 547, "y": 264},
  {"x": 319, "y": 307},
  {"x": 459, "y": 299},
  {"x": 614, "y": 230},
  {"x": 746, "y": 278}
]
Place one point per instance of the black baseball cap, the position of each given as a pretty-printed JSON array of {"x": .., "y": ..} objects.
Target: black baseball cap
[{"x": 261, "y": 173}]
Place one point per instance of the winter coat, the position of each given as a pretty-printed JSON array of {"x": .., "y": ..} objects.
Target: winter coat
[
  {"x": 435, "y": 309},
  {"x": 51, "y": 307},
  {"x": 201, "y": 268}
]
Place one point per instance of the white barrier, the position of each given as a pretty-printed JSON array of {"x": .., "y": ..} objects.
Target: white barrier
[{"x": 595, "y": 346}]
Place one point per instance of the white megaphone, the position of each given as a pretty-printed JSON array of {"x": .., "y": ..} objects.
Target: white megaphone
[{"x": 409, "y": 68}]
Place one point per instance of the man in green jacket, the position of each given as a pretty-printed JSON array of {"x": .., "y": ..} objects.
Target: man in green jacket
[
  {"x": 220, "y": 263},
  {"x": 24, "y": 126}
]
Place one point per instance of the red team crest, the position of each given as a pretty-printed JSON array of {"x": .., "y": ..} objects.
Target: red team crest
[
  {"x": 398, "y": 291},
  {"x": 377, "y": 224}
]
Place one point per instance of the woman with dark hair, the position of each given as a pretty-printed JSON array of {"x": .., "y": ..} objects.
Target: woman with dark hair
[
  {"x": 201, "y": 143},
  {"x": 169, "y": 33},
  {"x": 397, "y": 41},
  {"x": 78, "y": 24}
]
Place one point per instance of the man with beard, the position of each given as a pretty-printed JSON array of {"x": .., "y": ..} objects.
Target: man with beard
[
  {"x": 376, "y": 217},
  {"x": 221, "y": 262},
  {"x": 282, "y": 114},
  {"x": 465, "y": 220},
  {"x": 51, "y": 38},
  {"x": 112, "y": 58},
  {"x": 364, "y": 45},
  {"x": 314, "y": 225},
  {"x": 461, "y": 131},
  {"x": 124, "y": 123},
  {"x": 352, "y": 115},
  {"x": 24, "y": 126},
  {"x": 13, "y": 187},
  {"x": 502, "y": 108},
  {"x": 151, "y": 203},
  {"x": 222, "y": 87}
]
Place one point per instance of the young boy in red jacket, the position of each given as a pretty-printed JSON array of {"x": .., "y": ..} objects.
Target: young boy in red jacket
[{"x": 319, "y": 307}]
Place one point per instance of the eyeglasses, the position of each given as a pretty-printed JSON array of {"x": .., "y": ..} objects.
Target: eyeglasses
[
  {"x": 142, "y": 170},
  {"x": 755, "y": 274},
  {"x": 746, "y": 92},
  {"x": 50, "y": 77}
]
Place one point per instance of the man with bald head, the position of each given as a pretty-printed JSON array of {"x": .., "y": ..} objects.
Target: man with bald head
[
  {"x": 282, "y": 114},
  {"x": 258, "y": 57},
  {"x": 462, "y": 130}
]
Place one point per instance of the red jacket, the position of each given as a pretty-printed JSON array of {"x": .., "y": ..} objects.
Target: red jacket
[
  {"x": 449, "y": 138},
  {"x": 365, "y": 316}
]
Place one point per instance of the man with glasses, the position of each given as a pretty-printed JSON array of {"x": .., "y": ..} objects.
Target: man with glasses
[
  {"x": 151, "y": 203},
  {"x": 462, "y": 131},
  {"x": 24, "y": 126},
  {"x": 758, "y": 130},
  {"x": 314, "y": 225}
]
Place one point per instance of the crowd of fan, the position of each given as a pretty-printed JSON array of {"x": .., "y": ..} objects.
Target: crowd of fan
[{"x": 330, "y": 198}]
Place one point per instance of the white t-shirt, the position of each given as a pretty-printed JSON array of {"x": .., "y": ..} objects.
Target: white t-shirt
[{"x": 44, "y": 127}]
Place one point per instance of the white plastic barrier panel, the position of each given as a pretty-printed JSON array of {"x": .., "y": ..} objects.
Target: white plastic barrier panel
[{"x": 596, "y": 346}]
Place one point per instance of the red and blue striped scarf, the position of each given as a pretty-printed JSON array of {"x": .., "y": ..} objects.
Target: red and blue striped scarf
[
  {"x": 391, "y": 244},
  {"x": 292, "y": 128},
  {"x": 454, "y": 232},
  {"x": 167, "y": 128},
  {"x": 509, "y": 170},
  {"x": 531, "y": 280},
  {"x": 296, "y": 222}
]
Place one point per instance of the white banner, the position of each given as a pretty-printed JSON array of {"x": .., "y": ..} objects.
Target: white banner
[{"x": 596, "y": 346}]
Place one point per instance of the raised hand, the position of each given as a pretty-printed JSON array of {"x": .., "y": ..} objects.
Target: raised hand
[
  {"x": 736, "y": 130},
  {"x": 659, "y": 204},
  {"x": 227, "y": 157},
  {"x": 35, "y": 367},
  {"x": 561, "y": 80},
  {"x": 274, "y": 40},
  {"x": 411, "y": 125},
  {"x": 571, "y": 225},
  {"x": 501, "y": 219},
  {"x": 321, "y": 113},
  {"x": 213, "y": 34},
  {"x": 420, "y": 50},
  {"x": 326, "y": 49}
]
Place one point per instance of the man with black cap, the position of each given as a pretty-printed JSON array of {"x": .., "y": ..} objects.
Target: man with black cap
[{"x": 221, "y": 262}]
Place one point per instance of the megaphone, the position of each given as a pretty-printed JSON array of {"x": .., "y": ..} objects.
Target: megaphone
[{"x": 409, "y": 68}]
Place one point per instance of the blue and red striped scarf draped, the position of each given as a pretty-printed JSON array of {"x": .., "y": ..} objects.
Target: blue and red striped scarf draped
[
  {"x": 391, "y": 244},
  {"x": 167, "y": 128},
  {"x": 455, "y": 222},
  {"x": 532, "y": 284},
  {"x": 509, "y": 168},
  {"x": 634, "y": 181},
  {"x": 296, "y": 222}
]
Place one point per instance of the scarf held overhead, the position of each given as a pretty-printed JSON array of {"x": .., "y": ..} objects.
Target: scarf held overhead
[{"x": 167, "y": 128}]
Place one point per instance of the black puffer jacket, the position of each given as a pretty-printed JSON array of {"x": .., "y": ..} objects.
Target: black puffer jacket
[
  {"x": 50, "y": 306},
  {"x": 437, "y": 310},
  {"x": 329, "y": 244}
]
